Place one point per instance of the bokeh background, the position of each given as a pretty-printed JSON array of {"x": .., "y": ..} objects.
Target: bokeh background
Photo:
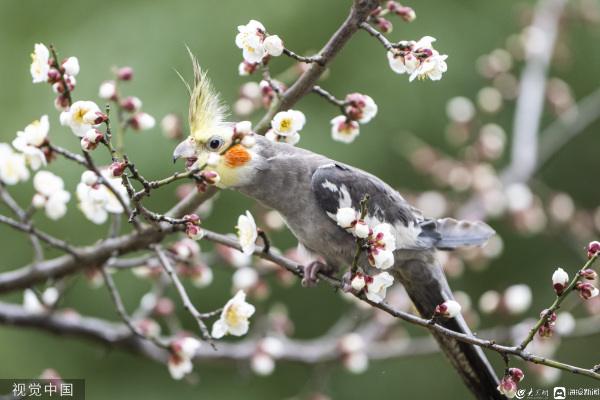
[{"x": 149, "y": 36}]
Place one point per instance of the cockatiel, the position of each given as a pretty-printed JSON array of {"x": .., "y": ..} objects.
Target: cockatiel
[{"x": 307, "y": 189}]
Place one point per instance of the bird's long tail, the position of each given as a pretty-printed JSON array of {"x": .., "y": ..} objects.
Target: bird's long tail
[{"x": 427, "y": 287}]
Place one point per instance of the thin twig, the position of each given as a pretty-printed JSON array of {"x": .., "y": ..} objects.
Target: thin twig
[
  {"x": 187, "y": 303},
  {"x": 374, "y": 32},
  {"x": 314, "y": 59},
  {"x": 52, "y": 241},
  {"x": 67, "y": 154}
]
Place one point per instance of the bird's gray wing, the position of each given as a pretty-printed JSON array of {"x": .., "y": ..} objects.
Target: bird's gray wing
[{"x": 337, "y": 186}]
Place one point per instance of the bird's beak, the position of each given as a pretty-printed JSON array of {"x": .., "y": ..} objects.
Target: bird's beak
[{"x": 185, "y": 149}]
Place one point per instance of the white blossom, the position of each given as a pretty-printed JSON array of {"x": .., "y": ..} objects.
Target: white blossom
[
  {"x": 13, "y": 166},
  {"x": 247, "y": 233},
  {"x": 243, "y": 127},
  {"x": 51, "y": 188},
  {"x": 108, "y": 90},
  {"x": 35, "y": 133},
  {"x": 343, "y": 129},
  {"x": 39, "y": 65},
  {"x": 31, "y": 303},
  {"x": 432, "y": 67},
  {"x": 97, "y": 201},
  {"x": 250, "y": 40},
  {"x": 262, "y": 364},
  {"x": 71, "y": 66},
  {"x": 179, "y": 367},
  {"x": 142, "y": 121},
  {"x": 273, "y": 45},
  {"x": 346, "y": 217},
  {"x": 376, "y": 290},
  {"x": 448, "y": 309},
  {"x": 74, "y": 117},
  {"x": 46, "y": 183},
  {"x": 292, "y": 139},
  {"x": 244, "y": 278},
  {"x": 288, "y": 122},
  {"x": 234, "y": 318},
  {"x": 186, "y": 347}
]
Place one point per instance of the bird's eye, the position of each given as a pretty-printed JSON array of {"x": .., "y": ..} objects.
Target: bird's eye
[{"x": 215, "y": 143}]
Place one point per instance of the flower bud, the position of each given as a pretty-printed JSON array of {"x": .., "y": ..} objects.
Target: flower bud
[
  {"x": 384, "y": 25},
  {"x": 406, "y": 13},
  {"x": 70, "y": 66},
  {"x": 551, "y": 318},
  {"x": 86, "y": 145},
  {"x": 593, "y": 248},
  {"x": 247, "y": 68},
  {"x": 94, "y": 117},
  {"x": 546, "y": 330},
  {"x": 273, "y": 45},
  {"x": 108, "y": 91},
  {"x": 89, "y": 178},
  {"x": 292, "y": 139},
  {"x": 586, "y": 290},
  {"x": 210, "y": 177},
  {"x": 61, "y": 103},
  {"x": 560, "y": 280},
  {"x": 376, "y": 12},
  {"x": 392, "y": 5},
  {"x": 192, "y": 219},
  {"x": 346, "y": 217},
  {"x": 194, "y": 232},
  {"x": 358, "y": 282},
  {"x": 213, "y": 159},
  {"x": 516, "y": 374},
  {"x": 125, "y": 74},
  {"x": 243, "y": 128},
  {"x": 361, "y": 229},
  {"x": 94, "y": 136},
  {"x": 411, "y": 62},
  {"x": 131, "y": 103},
  {"x": 448, "y": 309},
  {"x": 508, "y": 387},
  {"x": 142, "y": 121},
  {"x": 589, "y": 274},
  {"x": 248, "y": 141},
  {"x": 117, "y": 169},
  {"x": 53, "y": 76}
]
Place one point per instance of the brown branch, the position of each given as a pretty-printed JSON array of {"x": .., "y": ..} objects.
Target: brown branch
[{"x": 359, "y": 13}]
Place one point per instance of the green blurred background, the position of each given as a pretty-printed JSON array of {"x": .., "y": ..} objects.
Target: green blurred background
[{"x": 149, "y": 36}]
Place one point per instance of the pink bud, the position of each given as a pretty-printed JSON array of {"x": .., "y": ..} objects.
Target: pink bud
[
  {"x": 53, "y": 76},
  {"x": 61, "y": 103},
  {"x": 94, "y": 136},
  {"x": 516, "y": 374},
  {"x": 194, "y": 232},
  {"x": 131, "y": 103},
  {"x": 508, "y": 387},
  {"x": 384, "y": 25},
  {"x": 86, "y": 145},
  {"x": 117, "y": 169},
  {"x": 448, "y": 309},
  {"x": 406, "y": 13},
  {"x": 551, "y": 318},
  {"x": 192, "y": 218},
  {"x": 164, "y": 307},
  {"x": 247, "y": 68},
  {"x": 586, "y": 290},
  {"x": 589, "y": 274},
  {"x": 376, "y": 12},
  {"x": 428, "y": 52},
  {"x": 593, "y": 248},
  {"x": 546, "y": 330},
  {"x": 560, "y": 280},
  {"x": 210, "y": 177},
  {"x": 125, "y": 74},
  {"x": 391, "y": 5},
  {"x": 94, "y": 117}
]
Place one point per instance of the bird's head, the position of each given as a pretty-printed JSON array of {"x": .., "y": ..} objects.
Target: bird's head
[{"x": 210, "y": 135}]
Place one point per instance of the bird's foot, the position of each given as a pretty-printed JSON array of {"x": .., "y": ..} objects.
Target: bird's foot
[
  {"x": 312, "y": 269},
  {"x": 347, "y": 283}
]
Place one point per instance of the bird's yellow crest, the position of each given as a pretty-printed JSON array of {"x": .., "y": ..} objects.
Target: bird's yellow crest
[{"x": 206, "y": 110}]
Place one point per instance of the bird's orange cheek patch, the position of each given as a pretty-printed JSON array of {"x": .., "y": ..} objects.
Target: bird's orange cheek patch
[{"x": 237, "y": 156}]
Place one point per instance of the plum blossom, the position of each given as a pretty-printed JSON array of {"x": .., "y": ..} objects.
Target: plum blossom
[
  {"x": 360, "y": 107},
  {"x": 346, "y": 217},
  {"x": 560, "y": 280},
  {"x": 234, "y": 318},
  {"x": 375, "y": 289},
  {"x": 179, "y": 366},
  {"x": 108, "y": 90},
  {"x": 142, "y": 121},
  {"x": 247, "y": 233},
  {"x": 13, "y": 166},
  {"x": 287, "y": 123},
  {"x": 250, "y": 40},
  {"x": 381, "y": 246},
  {"x": 432, "y": 67},
  {"x": 71, "y": 66},
  {"x": 273, "y": 45},
  {"x": 40, "y": 65},
  {"x": 344, "y": 129},
  {"x": 81, "y": 117},
  {"x": 96, "y": 201},
  {"x": 419, "y": 59},
  {"x": 31, "y": 139},
  {"x": 50, "y": 194}
]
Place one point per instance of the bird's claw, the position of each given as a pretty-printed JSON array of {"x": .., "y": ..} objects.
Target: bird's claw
[{"x": 312, "y": 269}]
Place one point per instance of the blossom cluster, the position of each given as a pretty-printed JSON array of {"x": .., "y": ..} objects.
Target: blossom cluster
[
  {"x": 46, "y": 69},
  {"x": 256, "y": 44},
  {"x": 419, "y": 59},
  {"x": 380, "y": 244},
  {"x": 358, "y": 108},
  {"x": 95, "y": 199},
  {"x": 392, "y": 7},
  {"x": 508, "y": 384}
]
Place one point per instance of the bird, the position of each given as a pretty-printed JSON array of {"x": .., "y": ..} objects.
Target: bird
[{"x": 307, "y": 189}]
